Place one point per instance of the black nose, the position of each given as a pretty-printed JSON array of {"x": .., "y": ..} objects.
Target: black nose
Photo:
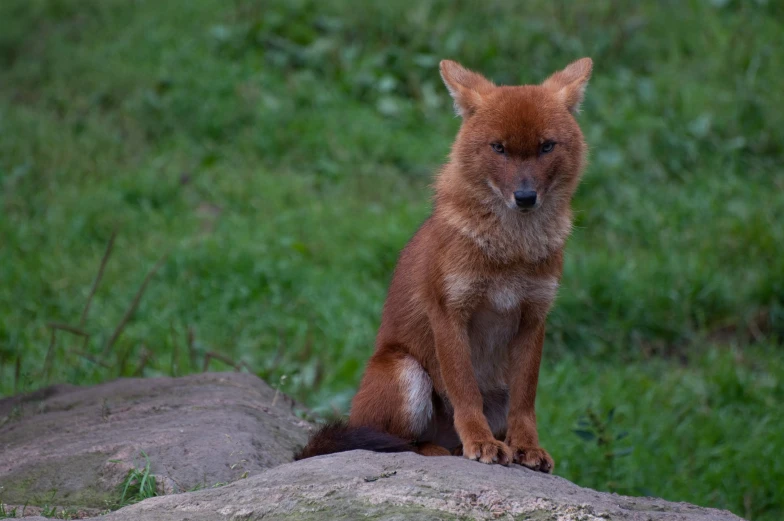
[{"x": 525, "y": 198}]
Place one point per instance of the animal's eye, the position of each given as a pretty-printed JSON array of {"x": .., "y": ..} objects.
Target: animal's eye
[
  {"x": 498, "y": 148},
  {"x": 547, "y": 147}
]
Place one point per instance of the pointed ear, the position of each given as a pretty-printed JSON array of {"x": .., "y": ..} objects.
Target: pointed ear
[
  {"x": 465, "y": 87},
  {"x": 570, "y": 83}
]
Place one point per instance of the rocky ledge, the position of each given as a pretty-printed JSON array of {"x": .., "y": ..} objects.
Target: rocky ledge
[{"x": 220, "y": 447}]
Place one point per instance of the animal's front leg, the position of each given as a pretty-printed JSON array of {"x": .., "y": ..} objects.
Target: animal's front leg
[
  {"x": 454, "y": 359},
  {"x": 522, "y": 436}
]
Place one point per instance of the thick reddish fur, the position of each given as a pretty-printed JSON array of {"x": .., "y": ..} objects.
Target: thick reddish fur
[{"x": 457, "y": 356}]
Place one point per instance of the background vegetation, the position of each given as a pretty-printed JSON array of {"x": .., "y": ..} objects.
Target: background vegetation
[{"x": 277, "y": 155}]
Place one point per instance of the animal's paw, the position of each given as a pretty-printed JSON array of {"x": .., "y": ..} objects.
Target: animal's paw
[
  {"x": 535, "y": 458},
  {"x": 488, "y": 451}
]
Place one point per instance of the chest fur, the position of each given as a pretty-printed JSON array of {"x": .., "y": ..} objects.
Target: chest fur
[
  {"x": 503, "y": 294},
  {"x": 495, "y": 307}
]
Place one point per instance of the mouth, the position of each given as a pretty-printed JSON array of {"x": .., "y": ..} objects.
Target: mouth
[
  {"x": 512, "y": 205},
  {"x": 527, "y": 210}
]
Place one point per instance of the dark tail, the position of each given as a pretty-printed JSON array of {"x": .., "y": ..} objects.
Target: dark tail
[{"x": 337, "y": 436}]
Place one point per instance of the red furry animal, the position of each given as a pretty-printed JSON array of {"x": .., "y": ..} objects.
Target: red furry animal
[{"x": 457, "y": 356}]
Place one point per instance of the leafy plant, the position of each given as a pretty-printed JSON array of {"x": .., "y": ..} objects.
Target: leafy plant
[{"x": 600, "y": 431}]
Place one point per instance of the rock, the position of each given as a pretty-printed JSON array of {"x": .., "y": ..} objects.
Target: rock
[
  {"x": 211, "y": 429},
  {"x": 364, "y": 485},
  {"x": 73, "y": 446}
]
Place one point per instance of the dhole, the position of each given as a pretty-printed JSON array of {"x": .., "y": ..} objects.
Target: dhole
[{"x": 457, "y": 356}]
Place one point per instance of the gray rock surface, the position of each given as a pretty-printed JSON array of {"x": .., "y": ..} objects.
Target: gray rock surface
[
  {"x": 216, "y": 428},
  {"x": 364, "y": 485},
  {"x": 197, "y": 431}
]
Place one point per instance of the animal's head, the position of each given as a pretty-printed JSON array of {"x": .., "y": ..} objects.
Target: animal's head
[{"x": 520, "y": 144}]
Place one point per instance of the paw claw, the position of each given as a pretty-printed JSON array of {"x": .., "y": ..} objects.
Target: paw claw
[
  {"x": 488, "y": 451},
  {"x": 534, "y": 458}
]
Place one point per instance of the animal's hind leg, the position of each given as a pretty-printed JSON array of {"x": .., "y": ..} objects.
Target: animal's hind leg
[
  {"x": 395, "y": 396},
  {"x": 431, "y": 449}
]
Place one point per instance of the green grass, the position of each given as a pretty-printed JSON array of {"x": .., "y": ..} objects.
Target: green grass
[
  {"x": 7, "y": 512},
  {"x": 138, "y": 485},
  {"x": 49, "y": 509},
  {"x": 279, "y": 155}
]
